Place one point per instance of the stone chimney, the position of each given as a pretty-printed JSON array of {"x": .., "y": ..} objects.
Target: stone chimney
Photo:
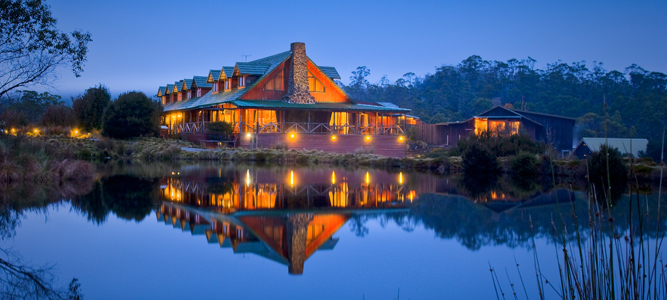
[
  {"x": 297, "y": 82},
  {"x": 297, "y": 235}
]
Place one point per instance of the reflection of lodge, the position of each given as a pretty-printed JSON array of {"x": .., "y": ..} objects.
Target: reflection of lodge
[
  {"x": 289, "y": 239},
  {"x": 250, "y": 195}
]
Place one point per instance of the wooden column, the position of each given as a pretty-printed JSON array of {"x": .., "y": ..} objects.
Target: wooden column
[
  {"x": 376, "y": 121},
  {"x": 240, "y": 121},
  {"x": 308, "y": 128}
]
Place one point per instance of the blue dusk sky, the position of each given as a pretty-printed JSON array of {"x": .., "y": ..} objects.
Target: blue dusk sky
[{"x": 140, "y": 45}]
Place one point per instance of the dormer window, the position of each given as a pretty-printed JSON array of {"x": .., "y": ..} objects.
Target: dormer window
[
  {"x": 215, "y": 87},
  {"x": 228, "y": 84},
  {"x": 189, "y": 94},
  {"x": 241, "y": 81},
  {"x": 198, "y": 92}
]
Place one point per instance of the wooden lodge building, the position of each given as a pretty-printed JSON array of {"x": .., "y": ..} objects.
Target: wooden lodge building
[
  {"x": 555, "y": 130},
  {"x": 284, "y": 99}
]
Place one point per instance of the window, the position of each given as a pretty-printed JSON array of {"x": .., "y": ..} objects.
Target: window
[
  {"x": 180, "y": 96},
  {"x": 276, "y": 83},
  {"x": 215, "y": 87},
  {"x": 189, "y": 94},
  {"x": 228, "y": 84},
  {"x": 198, "y": 92},
  {"x": 241, "y": 81},
  {"x": 314, "y": 85}
]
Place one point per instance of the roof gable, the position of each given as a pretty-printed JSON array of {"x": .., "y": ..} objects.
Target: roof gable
[
  {"x": 170, "y": 87},
  {"x": 187, "y": 84},
  {"x": 213, "y": 76},
  {"x": 161, "y": 90},
  {"x": 200, "y": 82}
]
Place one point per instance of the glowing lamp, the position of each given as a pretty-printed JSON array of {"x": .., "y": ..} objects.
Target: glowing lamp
[
  {"x": 333, "y": 137},
  {"x": 400, "y": 138},
  {"x": 248, "y": 135},
  {"x": 76, "y": 131},
  {"x": 292, "y": 135},
  {"x": 368, "y": 137},
  {"x": 36, "y": 130}
]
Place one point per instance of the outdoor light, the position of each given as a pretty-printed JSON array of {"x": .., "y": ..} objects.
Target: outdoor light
[
  {"x": 36, "y": 130},
  {"x": 248, "y": 135},
  {"x": 400, "y": 138},
  {"x": 292, "y": 135},
  {"x": 333, "y": 137},
  {"x": 368, "y": 137},
  {"x": 76, "y": 131}
]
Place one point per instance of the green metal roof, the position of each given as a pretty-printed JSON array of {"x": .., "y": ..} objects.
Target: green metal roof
[
  {"x": 170, "y": 87},
  {"x": 162, "y": 89},
  {"x": 330, "y": 72},
  {"x": 200, "y": 81},
  {"x": 180, "y": 105},
  {"x": 177, "y": 85},
  {"x": 251, "y": 68},
  {"x": 276, "y": 104}
]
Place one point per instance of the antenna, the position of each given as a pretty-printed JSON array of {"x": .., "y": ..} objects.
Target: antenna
[{"x": 245, "y": 57}]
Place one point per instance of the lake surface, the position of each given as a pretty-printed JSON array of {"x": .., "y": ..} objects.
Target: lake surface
[{"x": 258, "y": 232}]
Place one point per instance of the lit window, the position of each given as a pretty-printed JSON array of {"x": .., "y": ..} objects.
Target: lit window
[
  {"x": 276, "y": 83},
  {"x": 314, "y": 85}
]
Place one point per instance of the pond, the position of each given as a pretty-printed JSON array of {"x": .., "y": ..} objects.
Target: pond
[{"x": 163, "y": 231}]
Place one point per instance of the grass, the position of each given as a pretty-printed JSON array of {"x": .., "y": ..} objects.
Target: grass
[{"x": 604, "y": 262}]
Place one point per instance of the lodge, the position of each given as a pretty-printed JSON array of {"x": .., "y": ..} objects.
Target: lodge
[
  {"x": 284, "y": 99},
  {"x": 554, "y": 130}
]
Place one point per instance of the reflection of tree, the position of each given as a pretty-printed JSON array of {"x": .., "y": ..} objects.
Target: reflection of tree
[
  {"x": 19, "y": 281},
  {"x": 479, "y": 184},
  {"x": 129, "y": 197},
  {"x": 357, "y": 225}
]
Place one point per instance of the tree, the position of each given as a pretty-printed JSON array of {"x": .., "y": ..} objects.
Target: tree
[
  {"x": 32, "y": 105},
  {"x": 58, "y": 115},
  {"x": 32, "y": 48},
  {"x": 131, "y": 115},
  {"x": 90, "y": 106}
]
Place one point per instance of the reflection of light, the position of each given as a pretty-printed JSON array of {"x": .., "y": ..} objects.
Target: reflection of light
[
  {"x": 333, "y": 177},
  {"x": 412, "y": 195},
  {"x": 400, "y": 178},
  {"x": 247, "y": 177},
  {"x": 291, "y": 178},
  {"x": 368, "y": 178}
]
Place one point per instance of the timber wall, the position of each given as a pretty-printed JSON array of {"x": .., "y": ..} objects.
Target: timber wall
[{"x": 387, "y": 145}]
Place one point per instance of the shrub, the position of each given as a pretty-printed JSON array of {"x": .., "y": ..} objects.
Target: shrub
[
  {"x": 524, "y": 164},
  {"x": 58, "y": 115},
  {"x": 478, "y": 159},
  {"x": 618, "y": 173},
  {"x": 220, "y": 131},
  {"x": 131, "y": 115},
  {"x": 367, "y": 150},
  {"x": 501, "y": 146}
]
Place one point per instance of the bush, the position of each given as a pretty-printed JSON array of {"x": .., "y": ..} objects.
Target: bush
[
  {"x": 131, "y": 115},
  {"x": 90, "y": 106},
  {"x": 220, "y": 131},
  {"x": 478, "y": 159},
  {"x": 58, "y": 115},
  {"x": 524, "y": 164},
  {"x": 501, "y": 146},
  {"x": 618, "y": 172}
]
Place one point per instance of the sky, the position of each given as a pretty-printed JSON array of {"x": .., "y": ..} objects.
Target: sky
[{"x": 141, "y": 45}]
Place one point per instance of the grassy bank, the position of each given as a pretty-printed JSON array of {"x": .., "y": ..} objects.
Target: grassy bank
[{"x": 158, "y": 149}]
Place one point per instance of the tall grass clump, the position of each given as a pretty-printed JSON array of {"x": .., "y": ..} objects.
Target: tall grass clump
[{"x": 604, "y": 261}]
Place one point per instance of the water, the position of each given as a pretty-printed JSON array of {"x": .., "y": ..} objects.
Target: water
[{"x": 252, "y": 232}]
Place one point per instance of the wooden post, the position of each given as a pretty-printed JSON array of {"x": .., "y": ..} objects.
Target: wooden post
[
  {"x": 240, "y": 122},
  {"x": 376, "y": 121},
  {"x": 282, "y": 121},
  {"x": 308, "y": 127},
  {"x": 357, "y": 117}
]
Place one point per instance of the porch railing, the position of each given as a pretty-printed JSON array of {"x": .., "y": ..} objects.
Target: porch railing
[{"x": 297, "y": 127}]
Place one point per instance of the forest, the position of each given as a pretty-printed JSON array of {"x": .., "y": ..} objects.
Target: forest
[{"x": 633, "y": 102}]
